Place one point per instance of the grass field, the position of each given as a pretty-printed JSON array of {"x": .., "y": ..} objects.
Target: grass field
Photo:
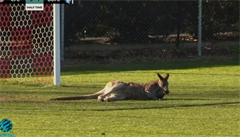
[{"x": 203, "y": 102}]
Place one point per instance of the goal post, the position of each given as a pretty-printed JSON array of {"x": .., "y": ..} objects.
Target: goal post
[
  {"x": 29, "y": 43},
  {"x": 57, "y": 44}
]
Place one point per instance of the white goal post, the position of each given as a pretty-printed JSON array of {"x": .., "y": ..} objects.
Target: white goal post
[{"x": 57, "y": 45}]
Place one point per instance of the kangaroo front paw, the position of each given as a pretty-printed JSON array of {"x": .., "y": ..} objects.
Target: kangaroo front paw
[{"x": 106, "y": 100}]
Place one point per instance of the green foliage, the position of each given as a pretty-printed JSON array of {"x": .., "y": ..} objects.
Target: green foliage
[
  {"x": 135, "y": 20},
  {"x": 203, "y": 101}
]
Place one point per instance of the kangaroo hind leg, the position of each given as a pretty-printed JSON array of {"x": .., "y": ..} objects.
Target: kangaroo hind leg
[{"x": 113, "y": 91}]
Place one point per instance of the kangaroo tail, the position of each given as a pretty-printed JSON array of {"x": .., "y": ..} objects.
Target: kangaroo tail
[{"x": 90, "y": 96}]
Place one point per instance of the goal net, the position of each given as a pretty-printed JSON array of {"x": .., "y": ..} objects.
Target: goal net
[{"x": 26, "y": 43}]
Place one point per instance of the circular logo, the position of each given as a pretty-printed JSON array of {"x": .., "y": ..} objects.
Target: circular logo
[
  {"x": 68, "y": 1},
  {"x": 6, "y": 125}
]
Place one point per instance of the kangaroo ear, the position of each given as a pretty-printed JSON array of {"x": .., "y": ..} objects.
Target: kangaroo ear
[
  {"x": 160, "y": 77},
  {"x": 167, "y": 76}
]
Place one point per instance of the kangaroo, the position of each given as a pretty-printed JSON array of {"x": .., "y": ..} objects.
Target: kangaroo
[{"x": 118, "y": 90}]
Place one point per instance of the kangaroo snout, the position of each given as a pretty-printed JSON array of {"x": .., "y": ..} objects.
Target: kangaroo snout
[{"x": 166, "y": 91}]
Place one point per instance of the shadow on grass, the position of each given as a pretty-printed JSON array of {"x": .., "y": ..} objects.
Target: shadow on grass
[
  {"x": 164, "y": 65},
  {"x": 190, "y": 99},
  {"x": 172, "y": 106}
]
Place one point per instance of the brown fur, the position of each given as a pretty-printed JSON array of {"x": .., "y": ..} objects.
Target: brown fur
[{"x": 117, "y": 90}]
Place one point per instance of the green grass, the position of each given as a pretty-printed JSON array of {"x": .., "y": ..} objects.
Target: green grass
[{"x": 203, "y": 101}]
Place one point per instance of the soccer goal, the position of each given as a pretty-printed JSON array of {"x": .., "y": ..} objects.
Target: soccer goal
[{"x": 30, "y": 47}]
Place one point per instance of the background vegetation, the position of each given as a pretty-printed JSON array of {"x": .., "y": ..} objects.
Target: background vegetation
[{"x": 134, "y": 21}]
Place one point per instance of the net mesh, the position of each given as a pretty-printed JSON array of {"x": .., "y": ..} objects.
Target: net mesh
[{"x": 26, "y": 43}]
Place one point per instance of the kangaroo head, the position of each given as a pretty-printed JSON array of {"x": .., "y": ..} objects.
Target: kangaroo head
[{"x": 163, "y": 83}]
